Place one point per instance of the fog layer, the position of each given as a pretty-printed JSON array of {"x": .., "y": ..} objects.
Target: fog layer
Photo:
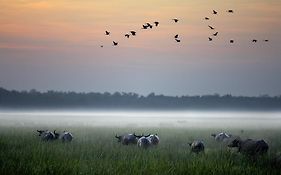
[{"x": 184, "y": 119}]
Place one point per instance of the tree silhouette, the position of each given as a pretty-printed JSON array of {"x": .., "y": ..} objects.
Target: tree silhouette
[{"x": 130, "y": 100}]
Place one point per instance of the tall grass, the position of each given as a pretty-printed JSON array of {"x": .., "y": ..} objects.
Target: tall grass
[{"x": 96, "y": 151}]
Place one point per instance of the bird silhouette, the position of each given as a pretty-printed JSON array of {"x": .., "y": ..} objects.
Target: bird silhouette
[
  {"x": 127, "y": 35},
  {"x": 254, "y": 40},
  {"x": 107, "y": 32},
  {"x": 210, "y": 39},
  {"x": 177, "y": 40},
  {"x": 156, "y": 23},
  {"x": 215, "y": 34},
  {"x": 231, "y": 41},
  {"x": 230, "y": 11},
  {"x": 133, "y": 33},
  {"x": 206, "y": 18},
  {"x": 266, "y": 40},
  {"x": 149, "y": 25},
  {"x": 144, "y": 27},
  {"x": 215, "y": 12},
  {"x": 176, "y": 36},
  {"x": 175, "y": 19},
  {"x": 101, "y": 46},
  {"x": 115, "y": 43},
  {"x": 211, "y": 27}
]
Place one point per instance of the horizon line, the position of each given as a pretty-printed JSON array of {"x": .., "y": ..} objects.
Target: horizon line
[{"x": 139, "y": 95}]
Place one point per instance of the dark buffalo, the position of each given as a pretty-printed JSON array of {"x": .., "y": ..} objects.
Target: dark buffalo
[
  {"x": 154, "y": 139},
  {"x": 250, "y": 146},
  {"x": 197, "y": 146},
  {"x": 144, "y": 141},
  {"x": 127, "y": 139},
  {"x": 46, "y": 135}
]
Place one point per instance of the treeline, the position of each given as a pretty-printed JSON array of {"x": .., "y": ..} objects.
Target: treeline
[{"x": 60, "y": 100}]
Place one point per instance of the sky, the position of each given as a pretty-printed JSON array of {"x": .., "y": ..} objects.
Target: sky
[{"x": 55, "y": 45}]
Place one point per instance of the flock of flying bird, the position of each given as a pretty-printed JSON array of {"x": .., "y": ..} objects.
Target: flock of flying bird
[
  {"x": 176, "y": 37},
  {"x": 133, "y": 33},
  {"x": 216, "y": 33},
  {"x": 145, "y": 27}
]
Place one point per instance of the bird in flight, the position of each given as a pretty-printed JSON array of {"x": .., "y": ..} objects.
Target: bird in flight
[
  {"x": 149, "y": 25},
  {"x": 215, "y": 34},
  {"x": 107, "y": 32},
  {"x": 156, "y": 23},
  {"x": 210, "y": 39},
  {"x": 133, "y": 33},
  {"x": 215, "y": 12},
  {"x": 115, "y": 43},
  {"x": 127, "y": 35},
  {"x": 175, "y": 19},
  {"x": 231, "y": 41},
  {"x": 176, "y": 36},
  {"x": 206, "y": 18},
  {"x": 101, "y": 46},
  {"x": 144, "y": 27},
  {"x": 254, "y": 40},
  {"x": 266, "y": 40},
  {"x": 230, "y": 11},
  {"x": 177, "y": 40},
  {"x": 211, "y": 27}
]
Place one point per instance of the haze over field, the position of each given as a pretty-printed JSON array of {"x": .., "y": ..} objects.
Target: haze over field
[
  {"x": 55, "y": 45},
  {"x": 140, "y": 119}
]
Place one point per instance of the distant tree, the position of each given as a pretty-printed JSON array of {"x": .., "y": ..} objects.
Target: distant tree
[
  {"x": 55, "y": 99},
  {"x": 151, "y": 95}
]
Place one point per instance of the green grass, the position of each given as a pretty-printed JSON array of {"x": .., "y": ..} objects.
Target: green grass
[{"x": 96, "y": 151}]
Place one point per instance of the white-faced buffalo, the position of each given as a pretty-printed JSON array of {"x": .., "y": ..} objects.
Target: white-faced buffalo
[
  {"x": 249, "y": 146},
  {"x": 154, "y": 139},
  {"x": 197, "y": 146},
  {"x": 221, "y": 137},
  {"x": 127, "y": 139},
  {"x": 46, "y": 135},
  {"x": 66, "y": 136},
  {"x": 144, "y": 142}
]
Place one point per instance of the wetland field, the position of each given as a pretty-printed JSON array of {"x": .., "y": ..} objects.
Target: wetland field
[{"x": 95, "y": 150}]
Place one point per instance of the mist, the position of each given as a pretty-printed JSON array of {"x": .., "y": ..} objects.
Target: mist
[{"x": 142, "y": 119}]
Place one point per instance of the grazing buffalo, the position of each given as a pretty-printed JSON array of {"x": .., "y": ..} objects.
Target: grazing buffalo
[
  {"x": 154, "y": 139},
  {"x": 249, "y": 146},
  {"x": 66, "y": 136},
  {"x": 221, "y": 137},
  {"x": 127, "y": 139},
  {"x": 144, "y": 142},
  {"x": 57, "y": 135},
  {"x": 46, "y": 135},
  {"x": 197, "y": 146}
]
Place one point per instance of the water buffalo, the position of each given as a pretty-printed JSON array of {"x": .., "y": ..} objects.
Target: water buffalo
[
  {"x": 56, "y": 134},
  {"x": 144, "y": 142},
  {"x": 250, "y": 146},
  {"x": 197, "y": 146},
  {"x": 46, "y": 135},
  {"x": 154, "y": 139},
  {"x": 221, "y": 137},
  {"x": 66, "y": 136},
  {"x": 127, "y": 139}
]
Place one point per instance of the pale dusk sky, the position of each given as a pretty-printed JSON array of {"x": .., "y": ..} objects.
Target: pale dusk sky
[{"x": 55, "y": 45}]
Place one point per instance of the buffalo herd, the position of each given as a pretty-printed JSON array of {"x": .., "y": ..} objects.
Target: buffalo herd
[
  {"x": 250, "y": 147},
  {"x": 142, "y": 141},
  {"x": 47, "y": 135}
]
